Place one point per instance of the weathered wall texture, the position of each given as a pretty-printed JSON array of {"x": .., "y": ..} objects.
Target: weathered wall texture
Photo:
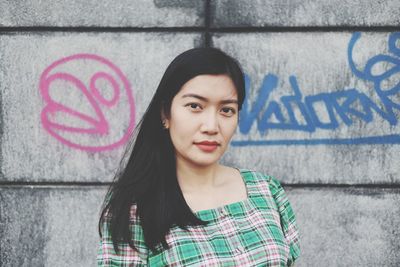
[{"x": 322, "y": 115}]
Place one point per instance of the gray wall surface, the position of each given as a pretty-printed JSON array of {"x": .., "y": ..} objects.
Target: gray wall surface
[{"x": 321, "y": 115}]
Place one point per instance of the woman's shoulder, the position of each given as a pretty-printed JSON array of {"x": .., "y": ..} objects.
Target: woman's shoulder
[
  {"x": 268, "y": 184},
  {"x": 259, "y": 176}
]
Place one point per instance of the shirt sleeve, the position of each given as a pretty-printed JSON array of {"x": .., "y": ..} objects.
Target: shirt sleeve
[
  {"x": 126, "y": 256},
  {"x": 288, "y": 219}
]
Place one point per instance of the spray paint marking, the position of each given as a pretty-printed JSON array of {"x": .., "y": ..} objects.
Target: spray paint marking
[
  {"x": 339, "y": 103},
  {"x": 98, "y": 125}
]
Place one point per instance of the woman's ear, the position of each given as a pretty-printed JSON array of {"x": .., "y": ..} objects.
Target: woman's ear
[{"x": 164, "y": 118}]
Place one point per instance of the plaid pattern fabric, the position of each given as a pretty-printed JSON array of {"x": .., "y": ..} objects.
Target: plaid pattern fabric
[{"x": 258, "y": 231}]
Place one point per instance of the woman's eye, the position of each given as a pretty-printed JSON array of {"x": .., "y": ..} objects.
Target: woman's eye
[
  {"x": 229, "y": 111},
  {"x": 193, "y": 105}
]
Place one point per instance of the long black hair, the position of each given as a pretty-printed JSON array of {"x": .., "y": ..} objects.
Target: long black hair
[{"x": 149, "y": 179}]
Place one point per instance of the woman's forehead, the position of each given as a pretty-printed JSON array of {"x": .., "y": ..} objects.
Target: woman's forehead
[{"x": 209, "y": 87}]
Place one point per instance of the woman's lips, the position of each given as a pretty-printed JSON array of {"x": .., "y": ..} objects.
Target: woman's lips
[{"x": 207, "y": 148}]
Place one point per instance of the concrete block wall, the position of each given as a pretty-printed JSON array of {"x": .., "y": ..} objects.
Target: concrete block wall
[{"x": 322, "y": 115}]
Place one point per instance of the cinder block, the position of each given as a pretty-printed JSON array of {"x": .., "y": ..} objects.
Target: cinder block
[
  {"x": 347, "y": 227},
  {"x": 57, "y": 226},
  {"x": 320, "y": 108},
  {"x": 260, "y": 13},
  {"x": 105, "y": 13},
  {"x": 71, "y": 100},
  {"x": 49, "y": 226}
]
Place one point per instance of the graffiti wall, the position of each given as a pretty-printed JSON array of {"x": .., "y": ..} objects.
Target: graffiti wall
[{"x": 321, "y": 114}]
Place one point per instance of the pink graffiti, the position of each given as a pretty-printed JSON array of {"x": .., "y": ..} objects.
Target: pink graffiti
[{"x": 99, "y": 126}]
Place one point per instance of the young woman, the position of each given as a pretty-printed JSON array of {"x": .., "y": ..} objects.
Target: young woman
[{"x": 174, "y": 204}]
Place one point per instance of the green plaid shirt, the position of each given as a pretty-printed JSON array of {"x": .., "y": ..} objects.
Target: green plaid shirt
[{"x": 258, "y": 231}]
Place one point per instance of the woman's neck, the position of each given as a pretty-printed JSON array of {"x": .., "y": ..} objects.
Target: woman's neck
[{"x": 192, "y": 178}]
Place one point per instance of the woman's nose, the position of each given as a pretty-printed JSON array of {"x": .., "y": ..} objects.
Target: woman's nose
[{"x": 210, "y": 123}]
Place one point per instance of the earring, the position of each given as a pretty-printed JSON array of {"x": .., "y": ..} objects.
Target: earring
[{"x": 164, "y": 122}]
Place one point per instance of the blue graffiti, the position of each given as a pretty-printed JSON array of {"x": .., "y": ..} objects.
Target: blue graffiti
[{"x": 344, "y": 106}]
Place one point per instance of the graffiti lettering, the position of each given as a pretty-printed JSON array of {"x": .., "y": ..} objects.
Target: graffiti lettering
[
  {"x": 99, "y": 135},
  {"x": 340, "y": 106}
]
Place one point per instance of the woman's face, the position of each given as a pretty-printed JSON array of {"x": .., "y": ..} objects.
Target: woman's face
[{"x": 205, "y": 109}]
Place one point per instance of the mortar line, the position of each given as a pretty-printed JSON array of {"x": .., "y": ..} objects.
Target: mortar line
[
  {"x": 20, "y": 184},
  {"x": 305, "y": 29},
  {"x": 40, "y": 29},
  {"x": 51, "y": 184},
  {"x": 207, "y": 35},
  {"x": 1, "y": 132},
  {"x": 207, "y": 28},
  {"x": 344, "y": 186}
]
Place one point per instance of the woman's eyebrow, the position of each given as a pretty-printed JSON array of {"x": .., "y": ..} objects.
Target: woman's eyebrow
[{"x": 227, "y": 101}]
